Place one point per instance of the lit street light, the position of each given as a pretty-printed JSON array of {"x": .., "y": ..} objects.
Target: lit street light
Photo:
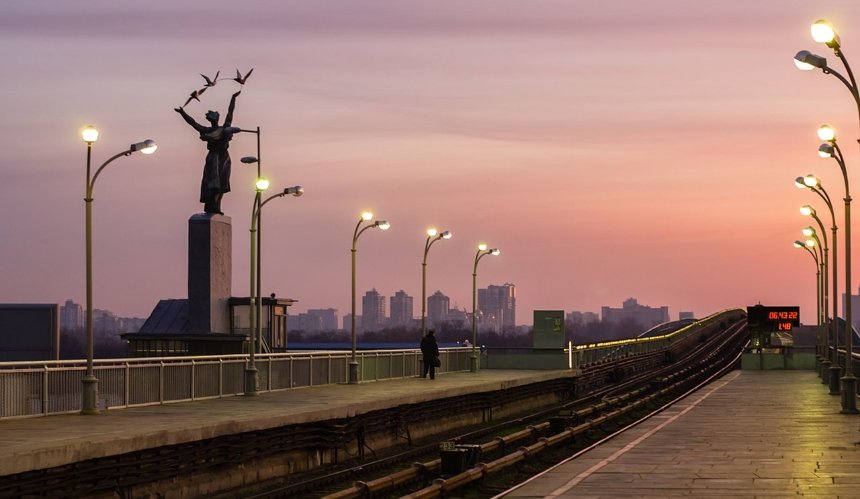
[
  {"x": 381, "y": 224},
  {"x": 832, "y": 333},
  {"x": 260, "y": 186},
  {"x": 823, "y": 32},
  {"x": 432, "y": 236},
  {"x": 833, "y": 372},
  {"x": 90, "y": 386},
  {"x": 810, "y": 233},
  {"x": 482, "y": 252}
]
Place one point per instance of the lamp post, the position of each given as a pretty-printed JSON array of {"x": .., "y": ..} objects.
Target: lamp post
[
  {"x": 432, "y": 236},
  {"x": 814, "y": 242},
  {"x": 833, "y": 331},
  {"x": 482, "y": 252},
  {"x": 260, "y": 186},
  {"x": 90, "y": 384},
  {"x": 823, "y": 32},
  {"x": 258, "y": 160},
  {"x": 807, "y": 245},
  {"x": 381, "y": 224},
  {"x": 810, "y": 232},
  {"x": 834, "y": 373}
]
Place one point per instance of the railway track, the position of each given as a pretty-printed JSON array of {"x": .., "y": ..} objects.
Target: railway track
[{"x": 497, "y": 456}]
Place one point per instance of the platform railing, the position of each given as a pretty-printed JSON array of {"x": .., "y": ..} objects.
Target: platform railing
[{"x": 54, "y": 387}]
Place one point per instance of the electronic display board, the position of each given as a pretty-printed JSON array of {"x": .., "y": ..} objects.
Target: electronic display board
[{"x": 767, "y": 323}]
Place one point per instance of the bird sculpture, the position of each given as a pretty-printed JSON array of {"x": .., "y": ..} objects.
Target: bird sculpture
[
  {"x": 195, "y": 95},
  {"x": 211, "y": 82},
  {"x": 240, "y": 79}
]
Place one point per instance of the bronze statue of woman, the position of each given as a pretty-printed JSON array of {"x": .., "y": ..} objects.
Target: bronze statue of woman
[{"x": 216, "y": 170}]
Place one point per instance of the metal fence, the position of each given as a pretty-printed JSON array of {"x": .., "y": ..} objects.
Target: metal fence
[
  {"x": 54, "y": 387},
  {"x": 581, "y": 355}
]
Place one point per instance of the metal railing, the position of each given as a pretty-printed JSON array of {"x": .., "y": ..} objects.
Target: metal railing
[
  {"x": 581, "y": 355},
  {"x": 54, "y": 387}
]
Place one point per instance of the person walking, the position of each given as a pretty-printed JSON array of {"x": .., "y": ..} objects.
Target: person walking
[{"x": 430, "y": 351}]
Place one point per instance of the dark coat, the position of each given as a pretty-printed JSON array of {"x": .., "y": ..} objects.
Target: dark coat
[{"x": 429, "y": 347}]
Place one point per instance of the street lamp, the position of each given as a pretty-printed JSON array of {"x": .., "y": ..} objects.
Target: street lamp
[
  {"x": 824, "y": 354},
  {"x": 810, "y": 233},
  {"x": 255, "y": 309},
  {"x": 383, "y": 225},
  {"x": 90, "y": 384},
  {"x": 432, "y": 236},
  {"x": 482, "y": 252},
  {"x": 813, "y": 183},
  {"x": 823, "y": 32},
  {"x": 807, "y": 245}
]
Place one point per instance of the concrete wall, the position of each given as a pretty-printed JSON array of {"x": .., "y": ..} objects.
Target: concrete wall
[{"x": 768, "y": 361}]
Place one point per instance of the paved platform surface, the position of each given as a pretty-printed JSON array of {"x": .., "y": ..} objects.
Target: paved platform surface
[
  {"x": 44, "y": 442},
  {"x": 750, "y": 434}
]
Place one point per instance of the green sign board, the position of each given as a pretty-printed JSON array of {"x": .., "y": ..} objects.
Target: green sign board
[{"x": 548, "y": 329}]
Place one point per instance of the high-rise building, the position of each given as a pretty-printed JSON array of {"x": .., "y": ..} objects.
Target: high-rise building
[
  {"x": 71, "y": 316},
  {"x": 582, "y": 318},
  {"x": 347, "y": 322},
  {"x": 437, "y": 308},
  {"x": 401, "y": 309},
  {"x": 631, "y": 309},
  {"x": 315, "y": 320},
  {"x": 498, "y": 307},
  {"x": 327, "y": 318},
  {"x": 372, "y": 311}
]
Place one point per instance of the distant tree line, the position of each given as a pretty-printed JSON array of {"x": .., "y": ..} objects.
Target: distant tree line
[
  {"x": 457, "y": 331},
  {"x": 73, "y": 345}
]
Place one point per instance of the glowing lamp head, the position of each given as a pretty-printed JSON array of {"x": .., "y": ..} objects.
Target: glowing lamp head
[
  {"x": 808, "y": 61},
  {"x": 807, "y": 210},
  {"x": 446, "y": 235},
  {"x": 431, "y": 232},
  {"x": 262, "y": 184},
  {"x": 798, "y": 182},
  {"x": 148, "y": 146},
  {"x": 495, "y": 251},
  {"x": 89, "y": 134},
  {"x": 382, "y": 224},
  {"x": 482, "y": 247},
  {"x": 810, "y": 243},
  {"x": 808, "y": 231},
  {"x": 823, "y": 32},
  {"x": 366, "y": 216},
  {"x": 825, "y": 151},
  {"x": 811, "y": 181},
  {"x": 826, "y": 133},
  {"x": 798, "y": 244}
]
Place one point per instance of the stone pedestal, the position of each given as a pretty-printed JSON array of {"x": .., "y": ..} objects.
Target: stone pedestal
[{"x": 209, "y": 273}]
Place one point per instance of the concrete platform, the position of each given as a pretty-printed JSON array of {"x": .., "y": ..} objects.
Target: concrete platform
[
  {"x": 749, "y": 434},
  {"x": 45, "y": 442}
]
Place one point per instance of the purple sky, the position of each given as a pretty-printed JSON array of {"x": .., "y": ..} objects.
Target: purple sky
[{"x": 610, "y": 150}]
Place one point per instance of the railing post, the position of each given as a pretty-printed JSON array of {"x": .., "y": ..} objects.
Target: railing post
[
  {"x": 45, "y": 390},
  {"x": 220, "y": 377},
  {"x": 193, "y": 377},
  {"x": 161, "y": 382},
  {"x": 127, "y": 385}
]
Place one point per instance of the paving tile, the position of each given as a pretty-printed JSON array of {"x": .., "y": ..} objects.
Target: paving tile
[{"x": 751, "y": 434}]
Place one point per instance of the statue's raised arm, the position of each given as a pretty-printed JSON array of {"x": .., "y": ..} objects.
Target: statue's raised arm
[
  {"x": 188, "y": 119},
  {"x": 228, "y": 120}
]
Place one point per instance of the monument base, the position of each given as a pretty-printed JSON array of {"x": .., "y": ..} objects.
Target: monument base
[{"x": 209, "y": 273}]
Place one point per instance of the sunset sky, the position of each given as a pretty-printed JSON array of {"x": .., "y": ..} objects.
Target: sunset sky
[{"x": 609, "y": 149}]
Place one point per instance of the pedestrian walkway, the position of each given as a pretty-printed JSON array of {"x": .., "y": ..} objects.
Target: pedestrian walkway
[
  {"x": 749, "y": 434},
  {"x": 45, "y": 442}
]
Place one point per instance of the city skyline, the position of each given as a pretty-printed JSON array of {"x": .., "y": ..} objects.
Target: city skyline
[{"x": 605, "y": 154}]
